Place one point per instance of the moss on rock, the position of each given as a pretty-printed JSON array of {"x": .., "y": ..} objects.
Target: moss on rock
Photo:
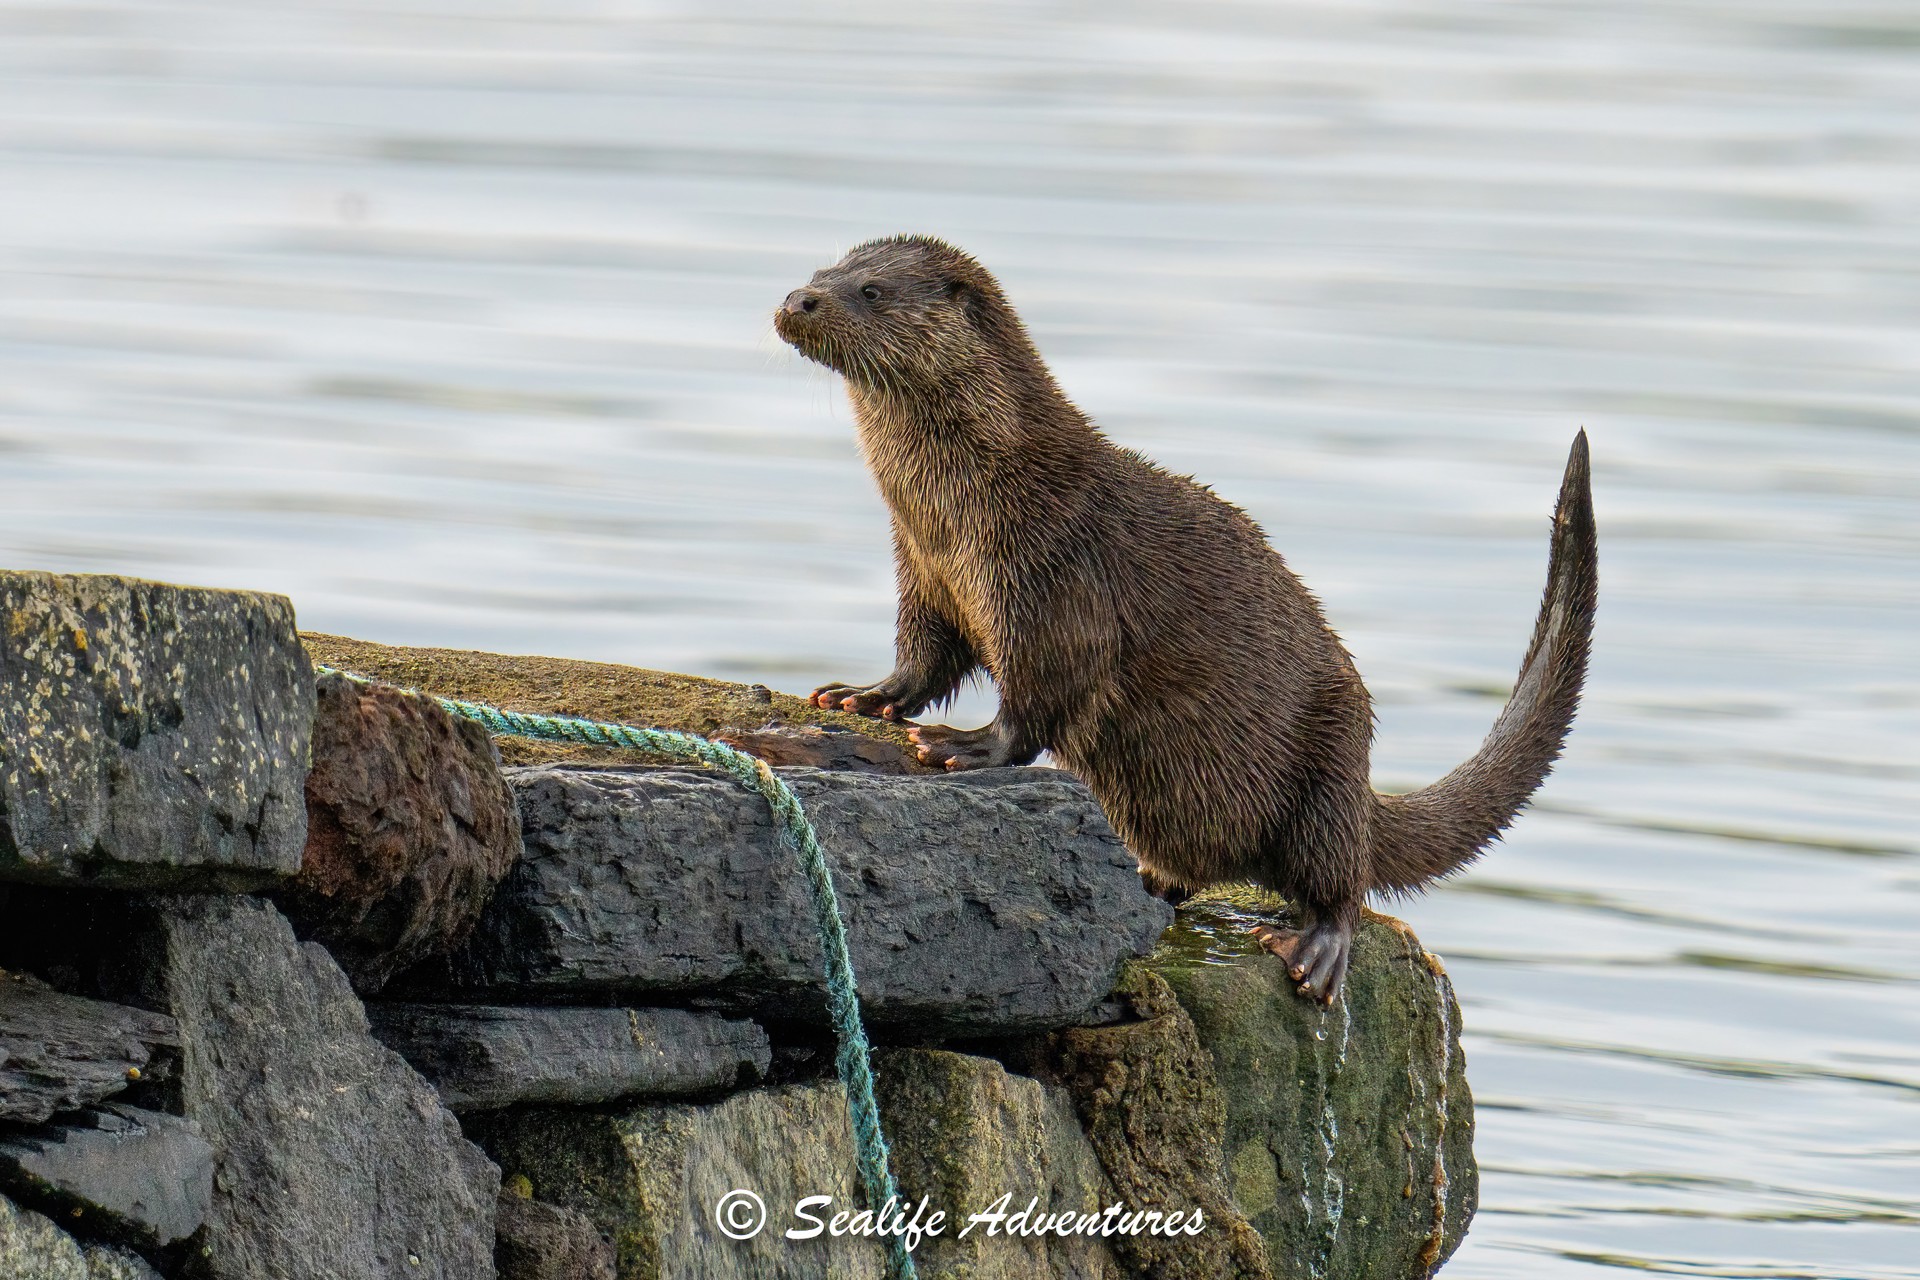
[
  {"x": 1151, "y": 1105},
  {"x": 973, "y": 1138},
  {"x": 1349, "y": 1132},
  {"x": 964, "y": 1133},
  {"x": 594, "y": 690},
  {"x": 649, "y": 1178}
]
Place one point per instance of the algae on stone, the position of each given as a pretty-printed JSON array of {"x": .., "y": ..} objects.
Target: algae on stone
[
  {"x": 1349, "y": 1132},
  {"x": 964, "y": 1132},
  {"x": 649, "y": 1177},
  {"x": 1150, "y": 1103},
  {"x": 593, "y": 690}
]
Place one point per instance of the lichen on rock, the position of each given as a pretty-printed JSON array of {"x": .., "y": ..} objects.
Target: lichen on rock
[
  {"x": 32, "y": 1248},
  {"x": 151, "y": 736}
]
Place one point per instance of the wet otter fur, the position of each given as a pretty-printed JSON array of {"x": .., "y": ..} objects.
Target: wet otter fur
[{"x": 1140, "y": 627}]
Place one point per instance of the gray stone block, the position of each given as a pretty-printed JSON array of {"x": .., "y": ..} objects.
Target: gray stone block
[
  {"x": 334, "y": 1158},
  {"x": 649, "y": 1178},
  {"x": 964, "y": 1133},
  {"x": 133, "y": 1175},
  {"x": 976, "y": 903},
  {"x": 482, "y": 1057},
  {"x": 60, "y": 1052},
  {"x": 150, "y": 735}
]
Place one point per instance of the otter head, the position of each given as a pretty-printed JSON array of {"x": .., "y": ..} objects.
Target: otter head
[{"x": 904, "y": 312}]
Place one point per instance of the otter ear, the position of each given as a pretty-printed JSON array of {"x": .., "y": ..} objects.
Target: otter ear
[{"x": 975, "y": 303}]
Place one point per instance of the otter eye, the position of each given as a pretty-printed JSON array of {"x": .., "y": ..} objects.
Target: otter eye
[{"x": 871, "y": 293}]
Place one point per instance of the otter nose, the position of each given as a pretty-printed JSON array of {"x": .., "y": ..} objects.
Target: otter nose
[{"x": 802, "y": 301}]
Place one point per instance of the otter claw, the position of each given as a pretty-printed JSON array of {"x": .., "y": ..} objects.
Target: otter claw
[
  {"x": 957, "y": 749},
  {"x": 882, "y": 700},
  {"x": 1316, "y": 956}
]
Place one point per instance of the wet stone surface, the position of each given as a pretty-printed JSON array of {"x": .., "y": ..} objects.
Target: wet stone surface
[{"x": 1348, "y": 1132}]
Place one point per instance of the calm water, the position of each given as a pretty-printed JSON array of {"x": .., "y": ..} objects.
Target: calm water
[{"x": 449, "y": 318}]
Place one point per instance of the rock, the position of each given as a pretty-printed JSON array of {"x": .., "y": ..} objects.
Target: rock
[
  {"x": 1349, "y": 1133},
  {"x": 595, "y": 691},
  {"x": 1152, "y": 1107},
  {"x": 334, "y": 1158},
  {"x": 32, "y": 1248},
  {"x": 649, "y": 1177},
  {"x": 409, "y": 828},
  {"x": 150, "y": 735},
  {"x": 963, "y": 1130},
  {"x": 107, "y": 1263},
  {"x": 965, "y": 1133},
  {"x": 481, "y": 1057},
  {"x": 823, "y": 747},
  {"x": 59, "y": 1052},
  {"x": 975, "y": 903},
  {"x": 540, "y": 1241},
  {"x": 134, "y": 1175}
]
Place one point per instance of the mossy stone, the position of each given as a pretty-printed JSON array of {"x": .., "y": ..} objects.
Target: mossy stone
[
  {"x": 1349, "y": 1132},
  {"x": 591, "y": 690}
]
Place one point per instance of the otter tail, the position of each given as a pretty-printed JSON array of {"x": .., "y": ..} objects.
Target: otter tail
[{"x": 1419, "y": 837}]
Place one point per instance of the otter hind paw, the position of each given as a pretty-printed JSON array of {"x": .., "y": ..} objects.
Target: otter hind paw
[
  {"x": 958, "y": 749},
  {"x": 1316, "y": 956}
]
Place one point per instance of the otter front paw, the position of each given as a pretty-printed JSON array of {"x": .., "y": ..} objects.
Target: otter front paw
[
  {"x": 884, "y": 701},
  {"x": 942, "y": 747}
]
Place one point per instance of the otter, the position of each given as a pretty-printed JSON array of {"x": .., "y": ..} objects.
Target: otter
[{"x": 1140, "y": 627}]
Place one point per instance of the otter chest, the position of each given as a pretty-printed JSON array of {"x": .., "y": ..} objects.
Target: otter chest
[
  {"x": 941, "y": 526},
  {"x": 943, "y": 558}
]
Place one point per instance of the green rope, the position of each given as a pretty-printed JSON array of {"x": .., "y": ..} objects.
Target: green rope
[{"x": 853, "y": 1057}]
